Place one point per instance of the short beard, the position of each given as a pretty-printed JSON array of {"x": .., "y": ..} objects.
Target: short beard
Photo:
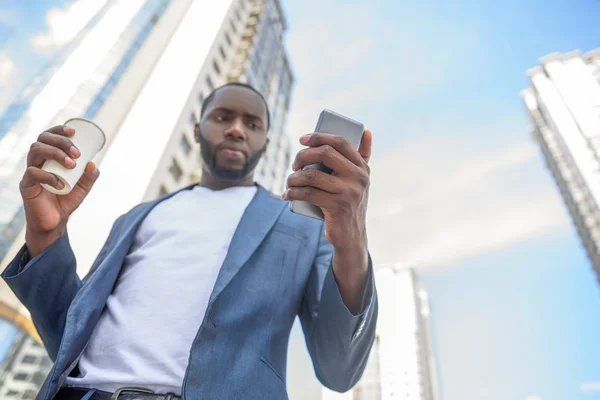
[{"x": 217, "y": 172}]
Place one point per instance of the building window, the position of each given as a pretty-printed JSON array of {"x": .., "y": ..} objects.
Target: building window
[
  {"x": 222, "y": 51},
  {"x": 29, "y": 359},
  {"x": 185, "y": 145},
  {"x": 228, "y": 39},
  {"x": 216, "y": 67},
  {"x": 210, "y": 84},
  {"x": 201, "y": 98},
  {"x": 162, "y": 191},
  {"x": 21, "y": 377},
  {"x": 237, "y": 15},
  {"x": 233, "y": 27},
  {"x": 175, "y": 170}
]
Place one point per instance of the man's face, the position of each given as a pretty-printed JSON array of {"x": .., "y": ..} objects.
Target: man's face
[{"x": 233, "y": 133}]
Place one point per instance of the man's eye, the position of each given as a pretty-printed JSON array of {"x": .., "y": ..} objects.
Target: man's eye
[
  {"x": 220, "y": 118},
  {"x": 252, "y": 125}
]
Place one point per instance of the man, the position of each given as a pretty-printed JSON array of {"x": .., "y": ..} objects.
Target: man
[{"x": 195, "y": 294}]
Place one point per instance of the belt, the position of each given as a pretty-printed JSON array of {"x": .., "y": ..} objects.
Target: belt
[{"x": 127, "y": 393}]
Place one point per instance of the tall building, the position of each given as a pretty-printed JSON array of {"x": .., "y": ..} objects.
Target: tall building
[
  {"x": 141, "y": 69},
  {"x": 563, "y": 106},
  {"x": 401, "y": 364},
  {"x": 23, "y": 369},
  {"x": 133, "y": 50}
]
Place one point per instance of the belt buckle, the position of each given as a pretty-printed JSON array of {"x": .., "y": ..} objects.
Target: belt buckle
[{"x": 116, "y": 394}]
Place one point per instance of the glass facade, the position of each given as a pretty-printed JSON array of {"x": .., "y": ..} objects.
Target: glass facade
[
  {"x": 140, "y": 29},
  {"x": 262, "y": 62},
  {"x": 35, "y": 109}
]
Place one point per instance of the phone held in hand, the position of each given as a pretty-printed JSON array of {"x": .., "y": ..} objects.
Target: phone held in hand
[{"x": 335, "y": 124}]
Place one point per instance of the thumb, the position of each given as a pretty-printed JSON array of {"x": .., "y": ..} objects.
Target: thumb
[
  {"x": 365, "y": 145},
  {"x": 87, "y": 180}
]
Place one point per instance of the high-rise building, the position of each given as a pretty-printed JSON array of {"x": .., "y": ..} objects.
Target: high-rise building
[
  {"x": 23, "y": 369},
  {"x": 401, "y": 364},
  {"x": 150, "y": 61},
  {"x": 141, "y": 69},
  {"x": 563, "y": 106}
]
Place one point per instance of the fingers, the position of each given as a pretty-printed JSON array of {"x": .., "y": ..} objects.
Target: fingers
[
  {"x": 54, "y": 144},
  {"x": 62, "y": 130},
  {"x": 339, "y": 143},
  {"x": 325, "y": 154},
  {"x": 312, "y": 195},
  {"x": 34, "y": 176},
  {"x": 365, "y": 145},
  {"x": 316, "y": 179},
  {"x": 61, "y": 142},
  {"x": 39, "y": 153}
]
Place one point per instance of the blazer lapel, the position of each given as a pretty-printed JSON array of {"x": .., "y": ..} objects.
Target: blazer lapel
[{"x": 257, "y": 221}]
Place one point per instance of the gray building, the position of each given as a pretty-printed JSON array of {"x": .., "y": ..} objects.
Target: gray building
[
  {"x": 402, "y": 363},
  {"x": 563, "y": 106}
]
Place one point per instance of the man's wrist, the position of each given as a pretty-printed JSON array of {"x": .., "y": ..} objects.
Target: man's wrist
[
  {"x": 356, "y": 254},
  {"x": 351, "y": 269},
  {"x": 37, "y": 243}
]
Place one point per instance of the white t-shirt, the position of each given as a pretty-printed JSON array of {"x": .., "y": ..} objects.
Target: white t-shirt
[{"x": 145, "y": 333}]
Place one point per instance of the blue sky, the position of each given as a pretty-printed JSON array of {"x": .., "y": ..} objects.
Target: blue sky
[
  {"x": 8, "y": 332},
  {"x": 457, "y": 185}
]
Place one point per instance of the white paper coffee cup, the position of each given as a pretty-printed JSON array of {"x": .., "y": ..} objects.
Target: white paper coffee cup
[{"x": 89, "y": 139}]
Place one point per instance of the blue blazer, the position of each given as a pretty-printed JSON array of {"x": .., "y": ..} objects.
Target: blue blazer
[{"x": 278, "y": 266}]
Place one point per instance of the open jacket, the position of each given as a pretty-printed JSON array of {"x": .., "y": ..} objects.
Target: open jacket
[{"x": 278, "y": 266}]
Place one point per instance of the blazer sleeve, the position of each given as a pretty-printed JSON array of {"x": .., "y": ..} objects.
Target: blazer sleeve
[
  {"x": 46, "y": 285},
  {"x": 338, "y": 341}
]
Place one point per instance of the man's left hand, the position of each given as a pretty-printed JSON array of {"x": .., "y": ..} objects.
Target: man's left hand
[
  {"x": 344, "y": 194},
  {"x": 343, "y": 197}
]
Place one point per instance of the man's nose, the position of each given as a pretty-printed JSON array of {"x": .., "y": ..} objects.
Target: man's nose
[{"x": 236, "y": 130}]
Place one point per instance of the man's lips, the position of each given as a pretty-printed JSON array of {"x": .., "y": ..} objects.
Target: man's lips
[{"x": 233, "y": 153}]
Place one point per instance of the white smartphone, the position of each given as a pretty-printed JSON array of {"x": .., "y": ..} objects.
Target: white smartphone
[{"x": 335, "y": 124}]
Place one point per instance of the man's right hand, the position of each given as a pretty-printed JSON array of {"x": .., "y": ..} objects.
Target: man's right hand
[{"x": 47, "y": 213}]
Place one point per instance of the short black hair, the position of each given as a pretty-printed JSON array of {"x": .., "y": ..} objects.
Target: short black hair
[{"x": 211, "y": 96}]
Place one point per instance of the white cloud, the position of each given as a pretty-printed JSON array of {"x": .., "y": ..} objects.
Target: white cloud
[
  {"x": 352, "y": 60},
  {"x": 8, "y": 77},
  {"x": 533, "y": 398},
  {"x": 7, "y": 69},
  {"x": 354, "y": 64},
  {"x": 64, "y": 24},
  {"x": 437, "y": 200},
  {"x": 590, "y": 387}
]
